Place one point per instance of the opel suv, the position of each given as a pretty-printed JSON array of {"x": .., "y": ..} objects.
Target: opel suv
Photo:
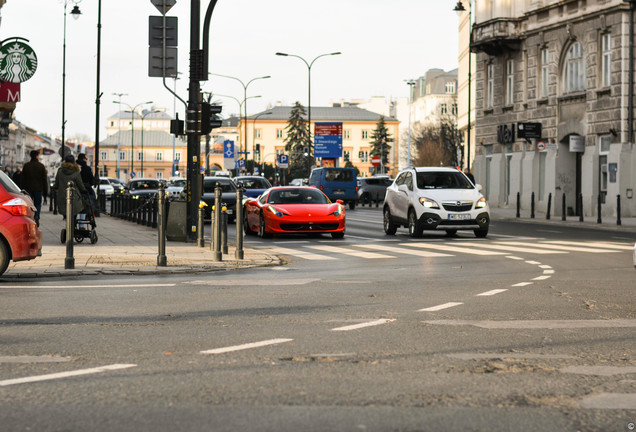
[{"x": 434, "y": 198}]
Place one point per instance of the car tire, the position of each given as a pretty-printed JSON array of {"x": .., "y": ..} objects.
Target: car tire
[
  {"x": 246, "y": 226},
  {"x": 481, "y": 233},
  {"x": 261, "y": 228},
  {"x": 415, "y": 231},
  {"x": 390, "y": 228},
  {"x": 451, "y": 232},
  {"x": 338, "y": 235},
  {"x": 4, "y": 257}
]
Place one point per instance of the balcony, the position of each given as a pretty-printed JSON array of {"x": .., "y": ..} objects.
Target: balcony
[{"x": 496, "y": 36}]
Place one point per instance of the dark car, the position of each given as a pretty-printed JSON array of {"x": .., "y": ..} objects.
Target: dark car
[
  {"x": 254, "y": 185},
  {"x": 372, "y": 189},
  {"x": 143, "y": 188},
  {"x": 228, "y": 195},
  {"x": 20, "y": 238}
]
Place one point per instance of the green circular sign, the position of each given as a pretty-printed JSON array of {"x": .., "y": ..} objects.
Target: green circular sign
[{"x": 17, "y": 62}]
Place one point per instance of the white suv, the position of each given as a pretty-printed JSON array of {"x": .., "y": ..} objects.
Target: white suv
[{"x": 434, "y": 198}]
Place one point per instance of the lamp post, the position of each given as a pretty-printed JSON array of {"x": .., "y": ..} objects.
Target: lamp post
[
  {"x": 309, "y": 65},
  {"x": 411, "y": 83},
  {"x": 119, "y": 125},
  {"x": 132, "y": 133},
  {"x": 254, "y": 133},
  {"x": 244, "y": 97},
  {"x": 143, "y": 156},
  {"x": 459, "y": 8},
  {"x": 76, "y": 14}
]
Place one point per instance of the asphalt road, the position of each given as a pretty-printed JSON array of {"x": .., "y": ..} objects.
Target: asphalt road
[{"x": 530, "y": 329}]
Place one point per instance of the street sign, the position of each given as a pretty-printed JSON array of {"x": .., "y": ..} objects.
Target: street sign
[
  {"x": 132, "y": 174},
  {"x": 163, "y": 6},
  {"x": 228, "y": 149},
  {"x": 239, "y": 164},
  {"x": 375, "y": 161},
  {"x": 529, "y": 130},
  {"x": 155, "y": 31},
  {"x": 328, "y": 140},
  {"x": 155, "y": 62},
  {"x": 283, "y": 161},
  {"x": 541, "y": 145}
]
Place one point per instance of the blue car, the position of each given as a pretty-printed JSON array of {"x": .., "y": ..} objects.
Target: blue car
[
  {"x": 336, "y": 183},
  {"x": 254, "y": 185}
]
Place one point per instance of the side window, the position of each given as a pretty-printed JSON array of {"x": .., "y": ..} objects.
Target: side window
[
  {"x": 263, "y": 199},
  {"x": 400, "y": 179},
  {"x": 408, "y": 181}
]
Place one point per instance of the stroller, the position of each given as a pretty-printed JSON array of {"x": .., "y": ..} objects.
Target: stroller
[{"x": 84, "y": 224}]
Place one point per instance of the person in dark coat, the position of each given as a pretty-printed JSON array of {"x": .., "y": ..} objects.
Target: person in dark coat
[
  {"x": 87, "y": 177},
  {"x": 34, "y": 181},
  {"x": 69, "y": 172},
  {"x": 17, "y": 177},
  {"x": 470, "y": 176}
]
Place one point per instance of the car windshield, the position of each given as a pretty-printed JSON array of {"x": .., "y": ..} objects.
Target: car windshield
[
  {"x": 339, "y": 175},
  {"x": 8, "y": 184},
  {"x": 226, "y": 185},
  {"x": 297, "y": 196},
  {"x": 144, "y": 185},
  {"x": 177, "y": 183},
  {"x": 442, "y": 180},
  {"x": 254, "y": 183}
]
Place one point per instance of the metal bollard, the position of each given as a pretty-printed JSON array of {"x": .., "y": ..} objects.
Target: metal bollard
[
  {"x": 200, "y": 237},
  {"x": 580, "y": 207},
  {"x": 518, "y": 205},
  {"x": 224, "y": 229},
  {"x": 598, "y": 209},
  {"x": 238, "y": 253},
  {"x": 547, "y": 216},
  {"x": 532, "y": 206},
  {"x": 217, "y": 223},
  {"x": 162, "y": 260},
  {"x": 563, "y": 209},
  {"x": 69, "y": 261},
  {"x": 618, "y": 210}
]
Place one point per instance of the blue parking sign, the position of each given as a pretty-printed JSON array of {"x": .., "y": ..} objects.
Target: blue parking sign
[{"x": 239, "y": 164}]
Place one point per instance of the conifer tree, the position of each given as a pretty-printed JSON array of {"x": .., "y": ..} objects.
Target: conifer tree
[
  {"x": 298, "y": 143},
  {"x": 380, "y": 146}
]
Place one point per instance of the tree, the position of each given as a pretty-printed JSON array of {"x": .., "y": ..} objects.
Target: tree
[
  {"x": 438, "y": 145},
  {"x": 380, "y": 143},
  {"x": 298, "y": 143}
]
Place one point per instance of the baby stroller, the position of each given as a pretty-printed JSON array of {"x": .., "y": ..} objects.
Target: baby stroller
[{"x": 84, "y": 224}]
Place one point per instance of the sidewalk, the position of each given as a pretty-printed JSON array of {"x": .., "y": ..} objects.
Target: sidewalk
[{"x": 123, "y": 248}]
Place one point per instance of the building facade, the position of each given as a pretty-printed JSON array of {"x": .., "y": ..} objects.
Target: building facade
[{"x": 563, "y": 66}]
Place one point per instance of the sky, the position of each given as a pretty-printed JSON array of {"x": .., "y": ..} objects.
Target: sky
[{"x": 383, "y": 43}]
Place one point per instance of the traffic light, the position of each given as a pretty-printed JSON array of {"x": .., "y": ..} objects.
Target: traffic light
[
  {"x": 346, "y": 156},
  {"x": 176, "y": 126},
  {"x": 257, "y": 148},
  {"x": 209, "y": 119}
]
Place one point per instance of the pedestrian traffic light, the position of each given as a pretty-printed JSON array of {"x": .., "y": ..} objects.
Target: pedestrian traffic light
[
  {"x": 208, "y": 117},
  {"x": 346, "y": 156}
]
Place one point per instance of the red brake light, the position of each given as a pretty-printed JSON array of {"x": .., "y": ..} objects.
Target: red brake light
[
  {"x": 321, "y": 187},
  {"x": 17, "y": 207}
]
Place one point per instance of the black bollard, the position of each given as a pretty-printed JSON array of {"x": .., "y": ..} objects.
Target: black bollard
[
  {"x": 162, "y": 260},
  {"x": 200, "y": 237},
  {"x": 224, "y": 229},
  {"x": 547, "y": 216},
  {"x": 218, "y": 256},
  {"x": 69, "y": 261},
  {"x": 598, "y": 209},
  {"x": 532, "y": 206},
  {"x": 618, "y": 210},
  {"x": 238, "y": 253},
  {"x": 580, "y": 207},
  {"x": 518, "y": 205},
  {"x": 563, "y": 209}
]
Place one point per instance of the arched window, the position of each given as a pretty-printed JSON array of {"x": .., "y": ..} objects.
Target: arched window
[{"x": 574, "y": 69}]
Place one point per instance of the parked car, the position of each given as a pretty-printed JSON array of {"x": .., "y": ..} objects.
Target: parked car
[
  {"x": 336, "y": 183},
  {"x": 118, "y": 185},
  {"x": 175, "y": 187},
  {"x": 20, "y": 238},
  {"x": 143, "y": 188},
  {"x": 106, "y": 188},
  {"x": 228, "y": 195},
  {"x": 254, "y": 185},
  {"x": 372, "y": 189},
  {"x": 299, "y": 182},
  {"x": 434, "y": 198},
  {"x": 294, "y": 210}
]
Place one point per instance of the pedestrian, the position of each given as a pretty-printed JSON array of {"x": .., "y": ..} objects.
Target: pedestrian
[
  {"x": 34, "y": 181},
  {"x": 69, "y": 172},
  {"x": 17, "y": 177},
  {"x": 470, "y": 176},
  {"x": 87, "y": 177}
]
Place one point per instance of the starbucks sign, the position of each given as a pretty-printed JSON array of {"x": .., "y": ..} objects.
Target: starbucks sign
[{"x": 17, "y": 62}]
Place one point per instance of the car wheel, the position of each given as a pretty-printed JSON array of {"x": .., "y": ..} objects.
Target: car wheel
[
  {"x": 414, "y": 229},
  {"x": 481, "y": 233},
  {"x": 338, "y": 235},
  {"x": 451, "y": 232},
  {"x": 352, "y": 205},
  {"x": 4, "y": 257},
  {"x": 246, "y": 225},
  {"x": 261, "y": 228},
  {"x": 389, "y": 227}
]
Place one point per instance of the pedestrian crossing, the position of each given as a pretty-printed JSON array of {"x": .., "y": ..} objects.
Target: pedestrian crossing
[{"x": 374, "y": 251}]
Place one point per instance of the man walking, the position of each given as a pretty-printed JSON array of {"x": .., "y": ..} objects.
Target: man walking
[{"x": 34, "y": 181}]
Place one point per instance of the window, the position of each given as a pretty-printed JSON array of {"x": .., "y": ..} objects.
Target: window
[
  {"x": 346, "y": 134},
  {"x": 444, "y": 109},
  {"x": 365, "y": 134},
  {"x": 454, "y": 109},
  {"x": 279, "y": 133},
  {"x": 112, "y": 124},
  {"x": 347, "y": 156},
  {"x": 140, "y": 156},
  {"x": 510, "y": 82},
  {"x": 122, "y": 155},
  {"x": 159, "y": 156},
  {"x": 604, "y": 144},
  {"x": 574, "y": 69},
  {"x": 450, "y": 87},
  {"x": 257, "y": 133},
  {"x": 545, "y": 72},
  {"x": 606, "y": 60},
  {"x": 103, "y": 155},
  {"x": 490, "y": 77},
  {"x": 159, "y": 175},
  {"x": 177, "y": 156}
]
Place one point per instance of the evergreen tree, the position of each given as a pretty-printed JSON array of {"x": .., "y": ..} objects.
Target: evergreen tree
[
  {"x": 380, "y": 144},
  {"x": 298, "y": 143}
]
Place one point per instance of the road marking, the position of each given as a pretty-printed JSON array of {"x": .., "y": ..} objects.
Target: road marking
[
  {"x": 533, "y": 262},
  {"x": 65, "y": 374},
  {"x": 302, "y": 254},
  {"x": 492, "y": 292},
  {"x": 522, "y": 284},
  {"x": 440, "y": 307},
  {"x": 548, "y": 271},
  {"x": 625, "y": 401},
  {"x": 545, "y": 266},
  {"x": 539, "y": 278},
  {"x": 246, "y": 346},
  {"x": 86, "y": 286},
  {"x": 516, "y": 258},
  {"x": 405, "y": 251},
  {"x": 530, "y": 249},
  {"x": 545, "y": 245},
  {"x": 540, "y": 324},
  {"x": 593, "y": 244},
  {"x": 467, "y": 250},
  {"x": 345, "y": 251},
  {"x": 363, "y": 325}
]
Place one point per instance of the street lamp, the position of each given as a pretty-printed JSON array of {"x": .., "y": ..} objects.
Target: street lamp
[
  {"x": 76, "y": 12},
  {"x": 254, "y": 132},
  {"x": 132, "y": 133},
  {"x": 244, "y": 97},
  {"x": 459, "y": 8},
  {"x": 309, "y": 65},
  {"x": 143, "y": 156},
  {"x": 119, "y": 125},
  {"x": 411, "y": 83}
]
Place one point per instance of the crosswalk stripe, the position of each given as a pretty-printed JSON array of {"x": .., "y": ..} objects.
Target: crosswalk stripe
[
  {"x": 345, "y": 251},
  {"x": 405, "y": 251},
  {"x": 302, "y": 254},
  {"x": 532, "y": 250},
  {"x": 469, "y": 250},
  {"x": 441, "y": 307},
  {"x": 594, "y": 244},
  {"x": 559, "y": 247}
]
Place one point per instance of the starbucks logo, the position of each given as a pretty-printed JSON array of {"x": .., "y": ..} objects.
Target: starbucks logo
[{"x": 17, "y": 62}]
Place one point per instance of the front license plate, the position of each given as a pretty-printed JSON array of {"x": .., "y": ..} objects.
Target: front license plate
[{"x": 458, "y": 217}]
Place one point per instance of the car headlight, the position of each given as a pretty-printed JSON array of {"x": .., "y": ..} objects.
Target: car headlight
[
  {"x": 275, "y": 211},
  {"x": 481, "y": 203},
  {"x": 429, "y": 203},
  {"x": 339, "y": 211}
]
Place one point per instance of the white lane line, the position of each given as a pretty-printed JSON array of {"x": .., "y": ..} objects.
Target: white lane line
[
  {"x": 65, "y": 374},
  {"x": 302, "y": 254},
  {"x": 531, "y": 248},
  {"x": 522, "y": 284},
  {"x": 86, "y": 286},
  {"x": 492, "y": 292},
  {"x": 345, "y": 251},
  {"x": 516, "y": 258},
  {"x": 548, "y": 271},
  {"x": 471, "y": 249},
  {"x": 539, "y": 278},
  {"x": 246, "y": 346},
  {"x": 545, "y": 266},
  {"x": 533, "y": 262},
  {"x": 405, "y": 251},
  {"x": 560, "y": 247},
  {"x": 593, "y": 244},
  {"x": 363, "y": 325},
  {"x": 440, "y": 307}
]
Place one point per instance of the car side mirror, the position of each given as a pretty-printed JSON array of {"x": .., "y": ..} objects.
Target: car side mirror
[
  {"x": 479, "y": 188},
  {"x": 339, "y": 202}
]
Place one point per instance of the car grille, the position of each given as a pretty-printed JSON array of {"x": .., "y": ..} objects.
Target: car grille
[
  {"x": 458, "y": 206},
  {"x": 308, "y": 227}
]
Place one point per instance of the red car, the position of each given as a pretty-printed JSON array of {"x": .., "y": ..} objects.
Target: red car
[
  {"x": 20, "y": 238},
  {"x": 285, "y": 210}
]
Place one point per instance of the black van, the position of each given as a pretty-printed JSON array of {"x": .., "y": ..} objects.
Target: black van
[{"x": 336, "y": 183}]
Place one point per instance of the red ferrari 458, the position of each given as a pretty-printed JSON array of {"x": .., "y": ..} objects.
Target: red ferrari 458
[{"x": 285, "y": 210}]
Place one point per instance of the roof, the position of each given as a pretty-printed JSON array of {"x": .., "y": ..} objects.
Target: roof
[
  {"x": 149, "y": 115},
  {"x": 151, "y": 138},
  {"x": 348, "y": 113}
]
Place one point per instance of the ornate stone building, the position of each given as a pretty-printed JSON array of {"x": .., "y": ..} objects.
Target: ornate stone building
[{"x": 563, "y": 67}]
